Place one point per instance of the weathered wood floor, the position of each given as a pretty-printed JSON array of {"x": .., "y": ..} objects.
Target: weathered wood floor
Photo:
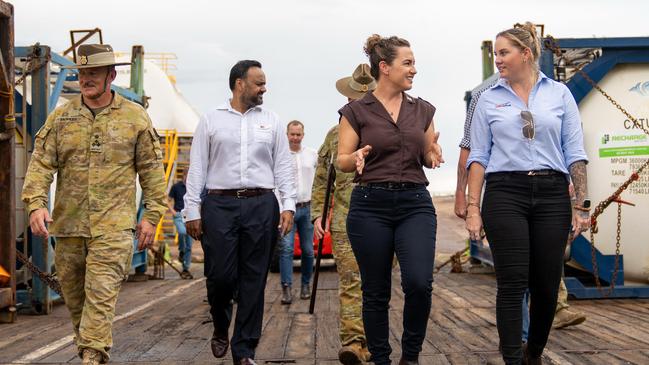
[{"x": 167, "y": 322}]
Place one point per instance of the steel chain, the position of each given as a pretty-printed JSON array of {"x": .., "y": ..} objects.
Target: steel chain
[
  {"x": 551, "y": 44},
  {"x": 31, "y": 65},
  {"x": 48, "y": 279}
]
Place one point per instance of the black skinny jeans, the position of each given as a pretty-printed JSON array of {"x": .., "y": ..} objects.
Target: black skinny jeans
[
  {"x": 381, "y": 223},
  {"x": 527, "y": 221}
]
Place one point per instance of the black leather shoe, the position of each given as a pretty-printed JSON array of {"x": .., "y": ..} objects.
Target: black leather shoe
[
  {"x": 528, "y": 359},
  {"x": 219, "y": 344}
]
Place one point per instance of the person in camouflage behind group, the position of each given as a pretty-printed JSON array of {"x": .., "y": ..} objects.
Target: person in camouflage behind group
[
  {"x": 96, "y": 144},
  {"x": 352, "y": 335}
]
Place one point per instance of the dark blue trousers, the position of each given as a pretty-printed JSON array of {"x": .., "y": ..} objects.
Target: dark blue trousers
[
  {"x": 527, "y": 221},
  {"x": 381, "y": 223},
  {"x": 239, "y": 236}
]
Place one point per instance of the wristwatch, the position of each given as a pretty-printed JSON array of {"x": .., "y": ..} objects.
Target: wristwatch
[{"x": 586, "y": 203}]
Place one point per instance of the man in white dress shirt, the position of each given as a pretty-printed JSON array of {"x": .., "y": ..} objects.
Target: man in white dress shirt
[
  {"x": 239, "y": 155},
  {"x": 305, "y": 160}
]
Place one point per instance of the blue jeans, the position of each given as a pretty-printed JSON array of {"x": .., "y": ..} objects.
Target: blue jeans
[
  {"x": 184, "y": 242},
  {"x": 302, "y": 222}
]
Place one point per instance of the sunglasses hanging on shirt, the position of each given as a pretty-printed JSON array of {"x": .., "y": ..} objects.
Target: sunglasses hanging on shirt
[{"x": 528, "y": 127}]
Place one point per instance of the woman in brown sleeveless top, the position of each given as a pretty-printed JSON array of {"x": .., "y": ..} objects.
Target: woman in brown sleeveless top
[{"x": 388, "y": 137}]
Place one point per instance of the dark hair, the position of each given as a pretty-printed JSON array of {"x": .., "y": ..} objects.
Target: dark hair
[
  {"x": 240, "y": 70},
  {"x": 379, "y": 49}
]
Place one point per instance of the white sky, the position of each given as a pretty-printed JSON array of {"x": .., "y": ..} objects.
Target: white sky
[{"x": 305, "y": 46}]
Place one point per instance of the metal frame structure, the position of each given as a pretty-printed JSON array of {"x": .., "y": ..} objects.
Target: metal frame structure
[
  {"x": 631, "y": 50},
  {"x": 43, "y": 100},
  {"x": 76, "y": 43},
  {"x": 7, "y": 160},
  {"x": 40, "y": 297},
  {"x": 615, "y": 51}
]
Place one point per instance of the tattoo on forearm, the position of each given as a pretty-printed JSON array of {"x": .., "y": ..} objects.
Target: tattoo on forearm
[
  {"x": 462, "y": 178},
  {"x": 579, "y": 181}
]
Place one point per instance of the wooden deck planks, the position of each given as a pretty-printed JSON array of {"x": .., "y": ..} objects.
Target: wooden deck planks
[{"x": 461, "y": 329}]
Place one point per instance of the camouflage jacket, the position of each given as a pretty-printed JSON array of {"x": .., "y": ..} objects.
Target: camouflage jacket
[
  {"x": 342, "y": 189},
  {"x": 96, "y": 160}
]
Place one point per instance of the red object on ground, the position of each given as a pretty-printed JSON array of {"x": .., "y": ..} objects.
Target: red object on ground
[
  {"x": 327, "y": 250},
  {"x": 326, "y": 246}
]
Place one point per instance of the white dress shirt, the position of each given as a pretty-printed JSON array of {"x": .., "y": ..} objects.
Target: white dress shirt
[
  {"x": 306, "y": 160},
  {"x": 231, "y": 150}
]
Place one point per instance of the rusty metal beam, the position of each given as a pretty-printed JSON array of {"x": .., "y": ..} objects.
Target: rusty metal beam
[
  {"x": 7, "y": 163},
  {"x": 5, "y": 84},
  {"x": 7, "y": 11},
  {"x": 75, "y": 44}
]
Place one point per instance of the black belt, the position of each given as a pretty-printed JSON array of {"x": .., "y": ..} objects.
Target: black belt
[
  {"x": 303, "y": 204},
  {"x": 239, "y": 193},
  {"x": 389, "y": 185},
  {"x": 545, "y": 172}
]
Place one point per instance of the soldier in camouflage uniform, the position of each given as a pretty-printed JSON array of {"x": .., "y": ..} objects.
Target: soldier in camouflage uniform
[
  {"x": 352, "y": 336},
  {"x": 96, "y": 144}
]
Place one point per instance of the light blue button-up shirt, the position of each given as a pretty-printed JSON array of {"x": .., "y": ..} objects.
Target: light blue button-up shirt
[{"x": 497, "y": 140}]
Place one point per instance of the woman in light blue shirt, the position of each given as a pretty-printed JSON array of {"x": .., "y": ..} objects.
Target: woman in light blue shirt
[{"x": 526, "y": 142}]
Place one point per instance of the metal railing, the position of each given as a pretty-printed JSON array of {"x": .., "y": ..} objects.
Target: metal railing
[{"x": 171, "y": 140}]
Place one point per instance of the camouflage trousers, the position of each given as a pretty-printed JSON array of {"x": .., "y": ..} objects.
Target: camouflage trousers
[
  {"x": 562, "y": 299},
  {"x": 349, "y": 290},
  {"x": 91, "y": 271}
]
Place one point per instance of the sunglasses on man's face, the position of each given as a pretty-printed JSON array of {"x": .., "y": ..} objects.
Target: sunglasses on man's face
[{"x": 528, "y": 127}]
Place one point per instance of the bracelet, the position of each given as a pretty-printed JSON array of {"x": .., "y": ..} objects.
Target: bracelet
[
  {"x": 473, "y": 204},
  {"x": 580, "y": 208},
  {"x": 473, "y": 215}
]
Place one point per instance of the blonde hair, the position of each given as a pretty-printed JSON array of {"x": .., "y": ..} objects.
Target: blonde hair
[
  {"x": 379, "y": 49},
  {"x": 524, "y": 36}
]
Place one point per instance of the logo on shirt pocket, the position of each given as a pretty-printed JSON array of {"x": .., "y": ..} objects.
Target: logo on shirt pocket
[
  {"x": 503, "y": 105},
  {"x": 263, "y": 133}
]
